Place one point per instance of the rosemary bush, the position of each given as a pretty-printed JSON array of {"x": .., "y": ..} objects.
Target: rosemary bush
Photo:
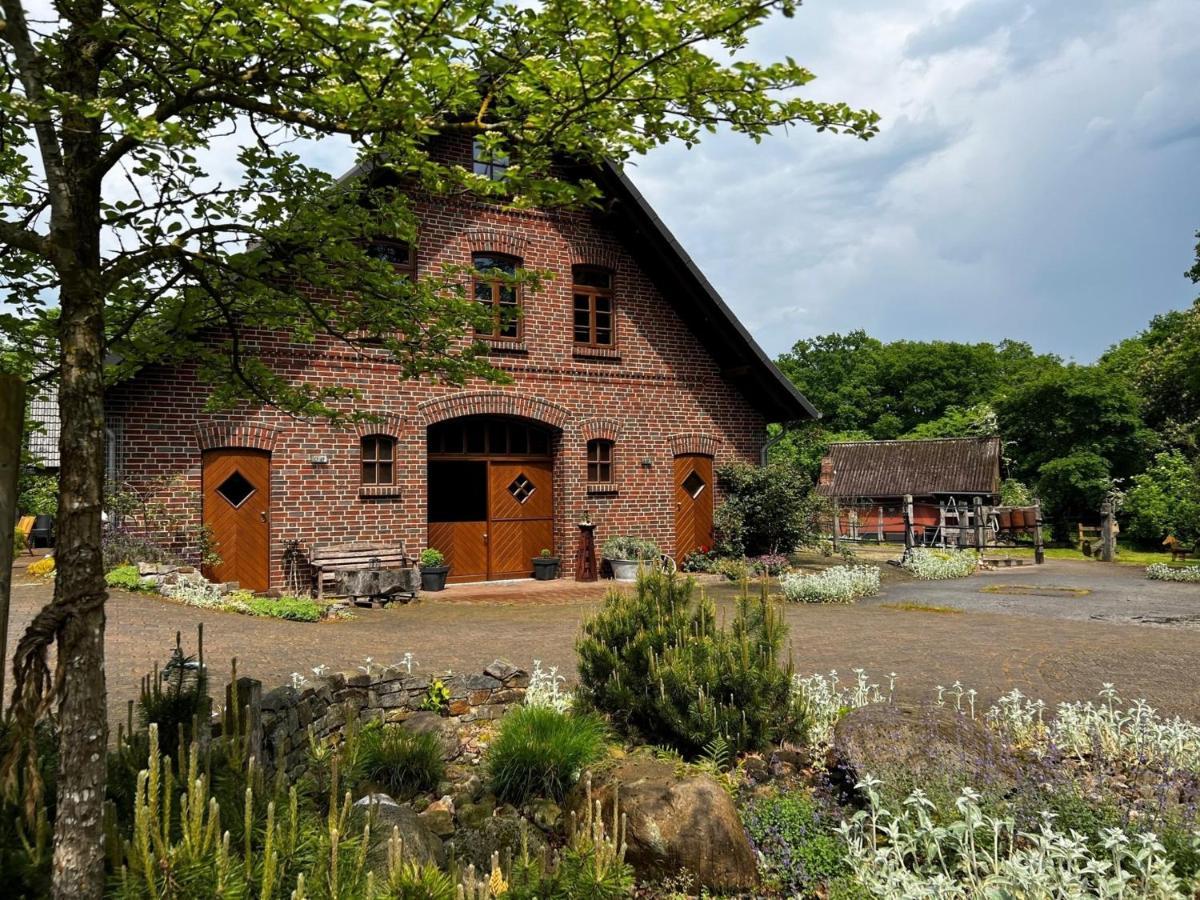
[
  {"x": 659, "y": 664},
  {"x": 930, "y": 564},
  {"x": 1164, "y": 572},
  {"x": 838, "y": 584}
]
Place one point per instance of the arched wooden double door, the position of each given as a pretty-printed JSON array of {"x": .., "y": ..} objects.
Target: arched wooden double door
[
  {"x": 236, "y": 489},
  {"x": 490, "y": 496},
  {"x": 693, "y": 503}
]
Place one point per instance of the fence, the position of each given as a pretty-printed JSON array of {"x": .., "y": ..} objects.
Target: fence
[{"x": 948, "y": 523}]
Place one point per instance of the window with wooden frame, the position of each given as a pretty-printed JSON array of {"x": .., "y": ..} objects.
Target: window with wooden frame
[
  {"x": 378, "y": 460},
  {"x": 485, "y": 162},
  {"x": 499, "y": 295},
  {"x": 399, "y": 253},
  {"x": 600, "y": 462},
  {"x": 593, "y": 307}
]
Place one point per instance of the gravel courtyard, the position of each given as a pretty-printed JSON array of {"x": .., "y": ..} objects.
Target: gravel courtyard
[{"x": 1051, "y": 643}]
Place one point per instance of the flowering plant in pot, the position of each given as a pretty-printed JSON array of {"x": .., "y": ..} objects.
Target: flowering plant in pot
[
  {"x": 433, "y": 569},
  {"x": 545, "y": 566},
  {"x": 625, "y": 554}
]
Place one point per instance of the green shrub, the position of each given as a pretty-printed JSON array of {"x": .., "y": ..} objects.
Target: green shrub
[
  {"x": 295, "y": 609},
  {"x": 767, "y": 509},
  {"x": 400, "y": 761},
  {"x": 657, "y": 662},
  {"x": 431, "y": 558},
  {"x": 415, "y": 881},
  {"x": 798, "y": 842},
  {"x": 127, "y": 578},
  {"x": 621, "y": 546},
  {"x": 733, "y": 568},
  {"x": 540, "y": 752},
  {"x": 1164, "y": 500}
]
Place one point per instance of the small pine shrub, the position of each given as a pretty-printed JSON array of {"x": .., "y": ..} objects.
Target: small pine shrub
[
  {"x": 400, "y": 761},
  {"x": 540, "y": 752},
  {"x": 657, "y": 662},
  {"x": 127, "y": 578},
  {"x": 415, "y": 881}
]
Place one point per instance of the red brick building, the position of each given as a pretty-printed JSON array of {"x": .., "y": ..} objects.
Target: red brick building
[{"x": 631, "y": 381}]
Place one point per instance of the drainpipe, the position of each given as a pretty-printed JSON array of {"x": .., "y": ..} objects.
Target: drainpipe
[{"x": 771, "y": 442}]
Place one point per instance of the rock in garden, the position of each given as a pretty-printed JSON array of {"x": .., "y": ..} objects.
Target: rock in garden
[
  {"x": 546, "y": 814},
  {"x": 420, "y": 844},
  {"x": 426, "y": 722},
  {"x": 905, "y": 747},
  {"x": 675, "y": 822},
  {"x": 438, "y": 817},
  {"x": 499, "y": 834}
]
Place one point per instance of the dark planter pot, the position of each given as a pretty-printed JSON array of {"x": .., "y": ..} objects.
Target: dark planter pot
[
  {"x": 433, "y": 578},
  {"x": 545, "y": 568}
]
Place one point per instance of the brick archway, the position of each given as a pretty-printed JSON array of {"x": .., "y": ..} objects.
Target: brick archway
[
  {"x": 220, "y": 435},
  {"x": 492, "y": 403},
  {"x": 693, "y": 443}
]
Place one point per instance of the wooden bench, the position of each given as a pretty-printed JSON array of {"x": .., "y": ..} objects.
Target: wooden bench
[{"x": 331, "y": 562}]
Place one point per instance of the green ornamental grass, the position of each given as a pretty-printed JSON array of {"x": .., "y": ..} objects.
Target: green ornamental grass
[
  {"x": 541, "y": 752},
  {"x": 404, "y": 763}
]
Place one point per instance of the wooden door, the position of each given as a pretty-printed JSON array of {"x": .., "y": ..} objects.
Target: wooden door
[
  {"x": 458, "y": 516},
  {"x": 521, "y": 516},
  {"x": 236, "y": 487},
  {"x": 693, "y": 503}
]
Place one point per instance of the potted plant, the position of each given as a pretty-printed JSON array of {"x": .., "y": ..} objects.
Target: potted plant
[
  {"x": 625, "y": 554},
  {"x": 433, "y": 570},
  {"x": 545, "y": 566}
]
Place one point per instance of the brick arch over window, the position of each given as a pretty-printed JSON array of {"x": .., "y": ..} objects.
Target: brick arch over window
[
  {"x": 216, "y": 435},
  {"x": 494, "y": 240},
  {"x": 600, "y": 429},
  {"x": 599, "y": 256},
  {"x": 389, "y": 424},
  {"x": 693, "y": 442},
  {"x": 493, "y": 403}
]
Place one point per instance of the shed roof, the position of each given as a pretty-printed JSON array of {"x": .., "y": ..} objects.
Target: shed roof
[{"x": 920, "y": 468}]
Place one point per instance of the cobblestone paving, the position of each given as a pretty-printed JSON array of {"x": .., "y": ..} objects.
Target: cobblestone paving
[{"x": 1030, "y": 647}]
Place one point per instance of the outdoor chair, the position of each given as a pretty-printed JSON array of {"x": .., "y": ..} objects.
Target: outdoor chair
[{"x": 42, "y": 530}]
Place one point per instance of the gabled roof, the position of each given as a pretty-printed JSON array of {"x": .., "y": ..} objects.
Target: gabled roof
[
  {"x": 920, "y": 468},
  {"x": 742, "y": 362}
]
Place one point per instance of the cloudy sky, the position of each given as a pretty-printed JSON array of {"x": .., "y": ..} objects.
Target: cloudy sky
[{"x": 1037, "y": 176}]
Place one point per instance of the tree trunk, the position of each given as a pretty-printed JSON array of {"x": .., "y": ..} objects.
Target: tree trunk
[{"x": 80, "y": 590}]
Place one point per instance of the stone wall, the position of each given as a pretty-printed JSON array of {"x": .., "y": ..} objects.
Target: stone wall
[{"x": 279, "y": 721}]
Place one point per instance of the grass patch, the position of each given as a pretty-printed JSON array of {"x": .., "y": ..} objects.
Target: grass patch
[
  {"x": 1126, "y": 556},
  {"x": 913, "y": 606},
  {"x": 127, "y": 578},
  {"x": 1034, "y": 590},
  {"x": 541, "y": 752},
  {"x": 402, "y": 762}
]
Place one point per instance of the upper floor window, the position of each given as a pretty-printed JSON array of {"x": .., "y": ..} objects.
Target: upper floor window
[
  {"x": 593, "y": 306},
  {"x": 501, "y": 297},
  {"x": 599, "y": 462},
  {"x": 398, "y": 253},
  {"x": 488, "y": 163},
  {"x": 378, "y": 459}
]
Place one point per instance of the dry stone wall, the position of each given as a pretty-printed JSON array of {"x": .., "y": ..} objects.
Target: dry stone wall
[{"x": 280, "y": 720}]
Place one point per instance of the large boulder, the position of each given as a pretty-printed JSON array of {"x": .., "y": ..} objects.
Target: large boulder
[
  {"x": 385, "y": 814},
  {"x": 929, "y": 746},
  {"x": 445, "y": 730},
  {"x": 503, "y": 834},
  {"x": 675, "y": 823}
]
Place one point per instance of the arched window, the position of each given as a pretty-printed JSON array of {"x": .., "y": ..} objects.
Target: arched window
[
  {"x": 593, "y": 306},
  {"x": 494, "y": 291},
  {"x": 378, "y": 459},
  {"x": 600, "y": 462}
]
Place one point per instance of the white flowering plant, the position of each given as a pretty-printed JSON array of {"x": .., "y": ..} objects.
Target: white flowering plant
[
  {"x": 546, "y": 689},
  {"x": 837, "y": 584},
  {"x": 1164, "y": 572},
  {"x": 823, "y": 699},
  {"x": 931, "y": 564}
]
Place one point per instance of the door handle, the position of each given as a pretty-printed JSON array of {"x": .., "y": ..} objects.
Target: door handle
[
  {"x": 485, "y": 537},
  {"x": 263, "y": 516}
]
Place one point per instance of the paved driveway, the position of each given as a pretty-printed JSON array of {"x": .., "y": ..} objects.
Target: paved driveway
[{"x": 1051, "y": 647}]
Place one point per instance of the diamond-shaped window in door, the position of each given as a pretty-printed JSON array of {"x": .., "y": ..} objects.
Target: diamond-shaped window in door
[
  {"x": 521, "y": 488},
  {"x": 693, "y": 484},
  {"x": 236, "y": 489}
]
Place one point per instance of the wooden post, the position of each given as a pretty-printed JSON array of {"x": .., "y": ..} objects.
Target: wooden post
[
  {"x": 879, "y": 530},
  {"x": 1108, "y": 537},
  {"x": 909, "y": 537},
  {"x": 12, "y": 421},
  {"x": 1039, "y": 552},
  {"x": 980, "y": 531},
  {"x": 837, "y": 515},
  {"x": 962, "y": 523}
]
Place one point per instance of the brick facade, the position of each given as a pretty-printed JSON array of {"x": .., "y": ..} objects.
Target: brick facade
[{"x": 661, "y": 394}]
